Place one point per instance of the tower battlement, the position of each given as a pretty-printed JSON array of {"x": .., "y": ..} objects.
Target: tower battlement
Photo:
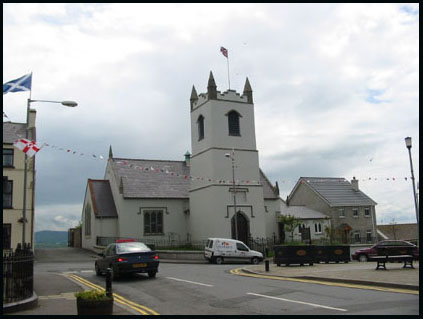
[{"x": 228, "y": 95}]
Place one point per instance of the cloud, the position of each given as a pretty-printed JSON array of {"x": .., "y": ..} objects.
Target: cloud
[
  {"x": 57, "y": 217},
  {"x": 330, "y": 89}
]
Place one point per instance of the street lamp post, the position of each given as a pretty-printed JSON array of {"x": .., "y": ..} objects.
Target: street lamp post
[
  {"x": 66, "y": 103},
  {"x": 232, "y": 157},
  {"x": 408, "y": 145}
]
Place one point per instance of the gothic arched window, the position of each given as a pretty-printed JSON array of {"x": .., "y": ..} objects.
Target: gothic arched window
[
  {"x": 233, "y": 123},
  {"x": 87, "y": 220},
  {"x": 200, "y": 123}
]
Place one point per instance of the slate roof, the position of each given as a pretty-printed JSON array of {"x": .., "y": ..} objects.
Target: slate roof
[
  {"x": 399, "y": 231},
  {"x": 159, "y": 184},
  {"x": 336, "y": 191},
  {"x": 102, "y": 198},
  {"x": 13, "y": 131},
  {"x": 303, "y": 212}
]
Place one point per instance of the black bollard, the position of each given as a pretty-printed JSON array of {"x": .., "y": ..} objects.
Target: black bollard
[
  {"x": 266, "y": 265},
  {"x": 109, "y": 292}
]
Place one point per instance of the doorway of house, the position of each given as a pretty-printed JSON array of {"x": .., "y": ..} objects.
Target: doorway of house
[
  {"x": 281, "y": 230},
  {"x": 243, "y": 227}
]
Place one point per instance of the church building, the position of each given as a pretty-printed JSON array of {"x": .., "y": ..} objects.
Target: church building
[{"x": 217, "y": 191}]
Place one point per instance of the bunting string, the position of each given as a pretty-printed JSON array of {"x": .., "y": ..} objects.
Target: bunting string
[{"x": 166, "y": 170}]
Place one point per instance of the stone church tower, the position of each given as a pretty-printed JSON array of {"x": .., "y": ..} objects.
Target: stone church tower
[{"x": 222, "y": 129}]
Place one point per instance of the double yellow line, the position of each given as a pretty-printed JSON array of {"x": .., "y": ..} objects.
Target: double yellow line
[
  {"x": 239, "y": 272},
  {"x": 117, "y": 298}
]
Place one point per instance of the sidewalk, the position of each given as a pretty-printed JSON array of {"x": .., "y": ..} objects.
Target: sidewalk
[
  {"x": 56, "y": 297},
  {"x": 353, "y": 272}
]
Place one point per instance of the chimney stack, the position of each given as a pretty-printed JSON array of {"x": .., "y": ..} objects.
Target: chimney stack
[
  {"x": 354, "y": 184},
  {"x": 187, "y": 158}
]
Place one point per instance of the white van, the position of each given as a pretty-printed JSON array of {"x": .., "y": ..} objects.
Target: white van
[{"x": 219, "y": 249}]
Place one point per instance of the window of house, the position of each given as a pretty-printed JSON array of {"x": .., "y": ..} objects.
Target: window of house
[
  {"x": 355, "y": 212},
  {"x": 318, "y": 228},
  {"x": 233, "y": 123},
  {"x": 341, "y": 212},
  {"x": 357, "y": 237},
  {"x": 367, "y": 212},
  {"x": 153, "y": 221},
  {"x": 7, "y": 157},
  {"x": 7, "y": 193},
  {"x": 369, "y": 236},
  {"x": 200, "y": 123},
  {"x": 7, "y": 235},
  {"x": 87, "y": 214}
]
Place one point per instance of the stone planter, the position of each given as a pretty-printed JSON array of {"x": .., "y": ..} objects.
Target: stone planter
[
  {"x": 94, "y": 307},
  {"x": 294, "y": 255},
  {"x": 332, "y": 253}
]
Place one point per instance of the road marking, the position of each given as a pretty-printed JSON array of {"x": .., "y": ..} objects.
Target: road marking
[
  {"x": 87, "y": 270},
  {"x": 237, "y": 271},
  {"x": 191, "y": 282},
  {"x": 296, "y": 301},
  {"x": 117, "y": 298}
]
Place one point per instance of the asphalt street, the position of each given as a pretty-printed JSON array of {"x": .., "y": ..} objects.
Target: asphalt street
[{"x": 192, "y": 289}]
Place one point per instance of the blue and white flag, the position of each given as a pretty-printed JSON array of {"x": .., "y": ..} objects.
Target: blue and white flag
[{"x": 18, "y": 85}]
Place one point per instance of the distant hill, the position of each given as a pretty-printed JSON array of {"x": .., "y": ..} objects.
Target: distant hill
[{"x": 51, "y": 239}]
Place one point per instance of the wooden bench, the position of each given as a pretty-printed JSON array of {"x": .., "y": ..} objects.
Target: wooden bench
[{"x": 385, "y": 255}]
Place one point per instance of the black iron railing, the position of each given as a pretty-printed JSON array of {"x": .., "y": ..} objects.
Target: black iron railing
[
  {"x": 155, "y": 243},
  {"x": 18, "y": 275}
]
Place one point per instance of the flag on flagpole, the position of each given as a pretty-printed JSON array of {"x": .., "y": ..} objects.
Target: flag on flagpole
[
  {"x": 224, "y": 51},
  {"x": 27, "y": 146},
  {"x": 18, "y": 85}
]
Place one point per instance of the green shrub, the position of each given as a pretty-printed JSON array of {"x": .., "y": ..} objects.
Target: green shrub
[{"x": 92, "y": 295}]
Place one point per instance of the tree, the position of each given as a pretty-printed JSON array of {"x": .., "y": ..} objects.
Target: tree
[{"x": 290, "y": 223}]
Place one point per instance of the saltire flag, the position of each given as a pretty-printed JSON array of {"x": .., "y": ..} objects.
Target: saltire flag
[
  {"x": 18, "y": 85},
  {"x": 224, "y": 51},
  {"x": 27, "y": 146}
]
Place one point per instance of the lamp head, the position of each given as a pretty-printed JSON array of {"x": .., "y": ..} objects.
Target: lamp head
[
  {"x": 408, "y": 142},
  {"x": 228, "y": 155},
  {"x": 69, "y": 103}
]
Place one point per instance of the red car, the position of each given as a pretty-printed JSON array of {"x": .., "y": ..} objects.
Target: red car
[{"x": 365, "y": 253}]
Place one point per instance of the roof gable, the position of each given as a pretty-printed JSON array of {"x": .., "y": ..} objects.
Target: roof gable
[
  {"x": 102, "y": 198},
  {"x": 335, "y": 191}
]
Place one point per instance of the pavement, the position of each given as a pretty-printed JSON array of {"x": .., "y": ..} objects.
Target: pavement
[{"x": 55, "y": 292}]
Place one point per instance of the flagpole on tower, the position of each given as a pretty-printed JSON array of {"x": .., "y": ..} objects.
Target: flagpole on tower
[
  {"x": 226, "y": 55},
  {"x": 229, "y": 79}
]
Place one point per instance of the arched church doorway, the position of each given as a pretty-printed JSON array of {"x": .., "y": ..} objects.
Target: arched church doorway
[{"x": 243, "y": 227}]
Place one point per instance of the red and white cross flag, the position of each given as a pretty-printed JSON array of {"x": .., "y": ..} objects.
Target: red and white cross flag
[{"x": 27, "y": 146}]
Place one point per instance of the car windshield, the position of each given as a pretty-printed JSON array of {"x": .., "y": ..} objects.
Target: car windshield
[{"x": 131, "y": 247}]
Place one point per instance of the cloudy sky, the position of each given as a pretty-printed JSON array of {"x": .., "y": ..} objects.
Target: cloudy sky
[{"x": 336, "y": 90}]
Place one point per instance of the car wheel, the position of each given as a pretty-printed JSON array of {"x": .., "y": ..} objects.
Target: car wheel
[
  {"x": 97, "y": 270},
  {"x": 152, "y": 274},
  {"x": 218, "y": 260},
  {"x": 255, "y": 261},
  {"x": 362, "y": 258}
]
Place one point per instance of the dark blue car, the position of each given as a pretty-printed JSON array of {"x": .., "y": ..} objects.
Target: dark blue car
[{"x": 127, "y": 257}]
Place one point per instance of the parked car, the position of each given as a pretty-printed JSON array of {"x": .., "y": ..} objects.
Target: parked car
[
  {"x": 218, "y": 250},
  {"x": 392, "y": 245},
  {"x": 127, "y": 256}
]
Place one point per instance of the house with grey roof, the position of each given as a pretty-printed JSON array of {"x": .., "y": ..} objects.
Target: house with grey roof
[
  {"x": 352, "y": 212},
  {"x": 312, "y": 224}
]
